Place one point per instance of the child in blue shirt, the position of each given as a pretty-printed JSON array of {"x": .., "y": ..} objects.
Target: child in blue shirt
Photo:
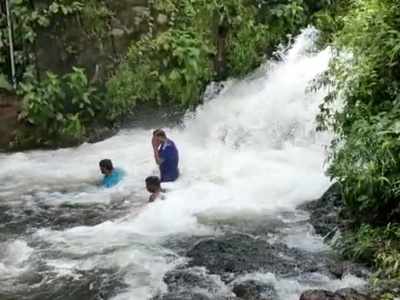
[{"x": 112, "y": 176}]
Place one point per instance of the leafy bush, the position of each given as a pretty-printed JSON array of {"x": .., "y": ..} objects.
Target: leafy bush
[
  {"x": 377, "y": 246},
  {"x": 172, "y": 66},
  {"x": 246, "y": 46},
  {"x": 27, "y": 20},
  {"x": 59, "y": 107},
  {"x": 367, "y": 242},
  {"x": 367, "y": 82},
  {"x": 175, "y": 65},
  {"x": 204, "y": 40},
  {"x": 364, "y": 78},
  {"x": 4, "y": 84}
]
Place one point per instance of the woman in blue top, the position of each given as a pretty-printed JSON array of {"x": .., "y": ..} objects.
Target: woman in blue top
[
  {"x": 166, "y": 156},
  {"x": 112, "y": 176}
]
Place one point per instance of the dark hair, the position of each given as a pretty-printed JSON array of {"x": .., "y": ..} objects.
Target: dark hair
[
  {"x": 153, "y": 181},
  {"x": 160, "y": 133},
  {"x": 106, "y": 164}
]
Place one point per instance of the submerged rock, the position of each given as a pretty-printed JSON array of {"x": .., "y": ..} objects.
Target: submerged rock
[
  {"x": 351, "y": 294},
  {"x": 343, "y": 294},
  {"x": 194, "y": 284},
  {"x": 182, "y": 296},
  {"x": 98, "y": 284},
  {"x": 320, "y": 295},
  {"x": 182, "y": 280},
  {"x": 343, "y": 268},
  {"x": 255, "y": 290}
]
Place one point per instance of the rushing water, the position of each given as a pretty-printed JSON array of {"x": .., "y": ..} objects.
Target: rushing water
[{"x": 249, "y": 153}]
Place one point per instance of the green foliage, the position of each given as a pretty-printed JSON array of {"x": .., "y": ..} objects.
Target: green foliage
[
  {"x": 329, "y": 19},
  {"x": 388, "y": 262},
  {"x": 59, "y": 108},
  {"x": 367, "y": 242},
  {"x": 204, "y": 40},
  {"x": 4, "y": 84},
  {"x": 173, "y": 65},
  {"x": 246, "y": 48},
  {"x": 365, "y": 155},
  {"x": 378, "y": 246},
  {"x": 28, "y": 20},
  {"x": 364, "y": 78}
]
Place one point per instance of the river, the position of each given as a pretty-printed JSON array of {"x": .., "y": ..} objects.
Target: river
[{"x": 249, "y": 156}]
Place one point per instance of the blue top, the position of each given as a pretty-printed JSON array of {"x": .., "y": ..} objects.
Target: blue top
[
  {"x": 169, "y": 161},
  {"x": 113, "y": 179}
]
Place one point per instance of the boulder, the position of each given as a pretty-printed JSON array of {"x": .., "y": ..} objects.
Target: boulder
[
  {"x": 239, "y": 254},
  {"x": 324, "y": 211},
  {"x": 254, "y": 290},
  {"x": 342, "y": 294},
  {"x": 320, "y": 295}
]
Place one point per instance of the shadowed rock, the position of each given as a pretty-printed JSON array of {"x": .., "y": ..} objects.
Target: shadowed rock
[
  {"x": 239, "y": 254},
  {"x": 255, "y": 290},
  {"x": 343, "y": 294}
]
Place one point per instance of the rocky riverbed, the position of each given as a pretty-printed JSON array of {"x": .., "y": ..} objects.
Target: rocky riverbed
[{"x": 250, "y": 261}]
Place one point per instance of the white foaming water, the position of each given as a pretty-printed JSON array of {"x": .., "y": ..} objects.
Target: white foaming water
[
  {"x": 13, "y": 255},
  {"x": 291, "y": 288},
  {"x": 251, "y": 148}
]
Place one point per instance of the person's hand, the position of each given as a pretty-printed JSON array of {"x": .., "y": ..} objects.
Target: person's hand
[
  {"x": 152, "y": 198},
  {"x": 154, "y": 143}
]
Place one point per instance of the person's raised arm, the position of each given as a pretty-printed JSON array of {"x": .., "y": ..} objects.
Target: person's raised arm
[{"x": 155, "y": 143}]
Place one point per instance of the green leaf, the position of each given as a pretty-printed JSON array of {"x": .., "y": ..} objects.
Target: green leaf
[{"x": 4, "y": 84}]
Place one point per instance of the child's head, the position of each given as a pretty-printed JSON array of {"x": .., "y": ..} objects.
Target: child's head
[
  {"x": 106, "y": 166},
  {"x": 153, "y": 184}
]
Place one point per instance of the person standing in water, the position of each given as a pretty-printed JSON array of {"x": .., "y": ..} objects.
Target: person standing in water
[
  {"x": 166, "y": 156},
  {"x": 112, "y": 176}
]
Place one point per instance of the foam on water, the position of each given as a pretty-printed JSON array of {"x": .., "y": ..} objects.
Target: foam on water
[
  {"x": 13, "y": 256},
  {"x": 251, "y": 148},
  {"x": 291, "y": 288}
]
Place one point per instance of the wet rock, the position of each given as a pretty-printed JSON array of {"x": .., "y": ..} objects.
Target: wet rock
[
  {"x": 254, "y": 290},
  {"x": 182, "y": 296},
  {"x": 194, "y": 283},
  {"x": 238, "y": 254},
  {"x": 343, "y": 268},
  {"x": 193, "y": 296},
  {"x": 324, "y": 211},
  {"x": 183, "y": 280},
  {"x": 351, "y": 294},
  {"x": 342, "y": 294},
  {"x": 97, "y": 284},
  {"x": 99, "y": 133},
  {"x": 320, "y": 295}
]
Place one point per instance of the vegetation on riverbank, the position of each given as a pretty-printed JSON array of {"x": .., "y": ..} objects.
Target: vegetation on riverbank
[{"x": 365, "y": 77}]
